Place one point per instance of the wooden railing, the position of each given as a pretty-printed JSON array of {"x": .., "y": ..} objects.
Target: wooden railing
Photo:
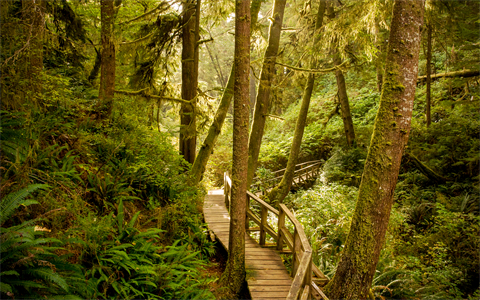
[
  {"x": 303, "y": 172},
  {"x": 305, "y": 274}
]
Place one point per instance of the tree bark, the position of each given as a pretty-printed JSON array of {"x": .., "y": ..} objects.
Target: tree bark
[
  {"x": 278, "y": 193},
  {"x": 378, "y": 59},
  {"x": 429, "y": 74},
  {"x": 33, "y": 14},
  {"x": 234, "y": 274},
  {"x": 188, "y": 128},
  {"x": 357, "y": 265},
  {"x": 200, "y": 164},
  {"x": 107, "y": 73},
  {"x": 263, "y": 96},
  {"x": 344, "y": 104}
]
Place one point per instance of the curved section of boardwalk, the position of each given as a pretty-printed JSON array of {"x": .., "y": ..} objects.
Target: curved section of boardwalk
[{"x": 267, "y": 276}]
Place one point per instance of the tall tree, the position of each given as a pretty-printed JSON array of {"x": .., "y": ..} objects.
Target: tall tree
[
  {"x": 262, "y": 104},
  {"x": 234, "y": 274},
  {"x": 278, "y": 193},
  {"x": 429, "y": 73},
  {"x": 33, "y": 13},
  {"x": 107, "y": 74},
  {"x": 190, "y": 38},
  {"x": 356, "y": 268},
  {"x": 198, "y": 168},
  {"x": 342, "y": 91}
]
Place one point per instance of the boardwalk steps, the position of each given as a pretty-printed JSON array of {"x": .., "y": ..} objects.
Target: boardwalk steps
[{"x": 267, "y": 276}]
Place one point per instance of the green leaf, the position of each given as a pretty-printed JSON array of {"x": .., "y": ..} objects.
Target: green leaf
[
  {"x": 48, "y": 275},
  {"x": 120, "y": 215},
  {"x": 5, "y": 288}
]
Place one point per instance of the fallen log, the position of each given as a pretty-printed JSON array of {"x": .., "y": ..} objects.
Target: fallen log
[{"x": 463, "y": 73}]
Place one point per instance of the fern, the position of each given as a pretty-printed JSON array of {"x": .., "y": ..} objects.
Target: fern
[{"x": 13, "y": 200}]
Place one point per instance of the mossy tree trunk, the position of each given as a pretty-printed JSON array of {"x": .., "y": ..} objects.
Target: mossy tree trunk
[
  {"x": 378, "y": 59},
  {"x": 234, "y": 274},
  {"x": 107, "y": 73},
  {"x": 429, "y": 74},
  {"x": 190, "y": 37},
  {"x": 278, "y": 193},
  {"x": 200, "y": 164},
  {"x": 33, "y": 12},
  {"x": 357, "y": 265},
  {"x": 262, "y": 103}
]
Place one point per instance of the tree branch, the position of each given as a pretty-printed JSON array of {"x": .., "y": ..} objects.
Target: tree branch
[
  {"x": 313, "y": 70},
  {"x": 145, "y": 94}
]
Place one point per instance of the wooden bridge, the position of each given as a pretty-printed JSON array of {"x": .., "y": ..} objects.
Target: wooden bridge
[
  {"x": 270, "y": 232},
  {"x": 304, "y": 174}
]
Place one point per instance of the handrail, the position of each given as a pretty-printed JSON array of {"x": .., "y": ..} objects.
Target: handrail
[{"x": 303, "y": 285}]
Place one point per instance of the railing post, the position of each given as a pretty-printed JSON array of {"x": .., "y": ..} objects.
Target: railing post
[
  {"x": 281, "y": 225},
  {"x": 297, "y": 244},
  {"x": 308, "y": 275},
  {"x": 263, "y": 223},
  {"x": 247, "y": 225},
  {"x": 225, "y": 189}
]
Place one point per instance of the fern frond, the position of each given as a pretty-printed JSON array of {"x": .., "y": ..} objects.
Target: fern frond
[
  {"x": 48, "y": 275},
  {"x": 13, "y": 200}
]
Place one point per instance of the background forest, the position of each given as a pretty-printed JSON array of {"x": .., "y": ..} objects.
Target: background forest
[{"x": 99, "y": 199}]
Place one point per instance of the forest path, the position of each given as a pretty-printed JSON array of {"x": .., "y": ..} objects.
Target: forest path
[{"x": 267, "y": 276}]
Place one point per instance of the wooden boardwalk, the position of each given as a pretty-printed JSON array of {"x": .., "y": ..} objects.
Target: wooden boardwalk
[{"x": 267, "y": 276}]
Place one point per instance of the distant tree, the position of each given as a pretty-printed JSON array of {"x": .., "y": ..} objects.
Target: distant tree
[
  {"x": 234, "y": 274},
  {"x": 107, "y": 74},
  {"x": 262, "y": 103},
  {"x": 278, "y": 193},
  {"x": 366, "y": 238},
  {"x": 342, "y": 89},
  {"x": 190, "y": 38},
  {"x": 428, "y": 95}
]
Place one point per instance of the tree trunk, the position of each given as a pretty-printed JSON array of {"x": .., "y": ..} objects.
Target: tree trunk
[
  {"x": 198, "y": 168},
  {"x": 107, "y": 74},
  {"x": 33, "y": 14},
  {"x": 342, "y": 93},
  {"x": 253, "y": 91},
  {"x": 234, "y": 274},
  {"x": 378, "y": 59},
  {"x": 96, "y": 67},
  {"x": 188, "y": 128},
  {"x": 429, "y": 73},
  {"x": 357, "y": 265},
  {"x": 278, "y": 193},
  {"x": 200, "y": 164},
  {"x": 343, "y": 99},
  {"x": 263, "y": 96}
]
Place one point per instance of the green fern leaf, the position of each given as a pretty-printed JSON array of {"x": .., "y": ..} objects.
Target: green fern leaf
[
  {"x": 5, "y": 288},
  {"x": 13, "y": 200},
  {"x": 48, "y": 275}
]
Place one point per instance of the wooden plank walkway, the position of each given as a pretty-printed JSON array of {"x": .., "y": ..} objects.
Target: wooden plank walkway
[{"x": 267, "y": 276}]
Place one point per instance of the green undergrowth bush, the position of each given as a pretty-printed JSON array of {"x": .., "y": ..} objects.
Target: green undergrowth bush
[
  {"x": 325, "y": 212},
  {"x": 118, "y": 218},
  {"x": 431, "y": 246}
]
